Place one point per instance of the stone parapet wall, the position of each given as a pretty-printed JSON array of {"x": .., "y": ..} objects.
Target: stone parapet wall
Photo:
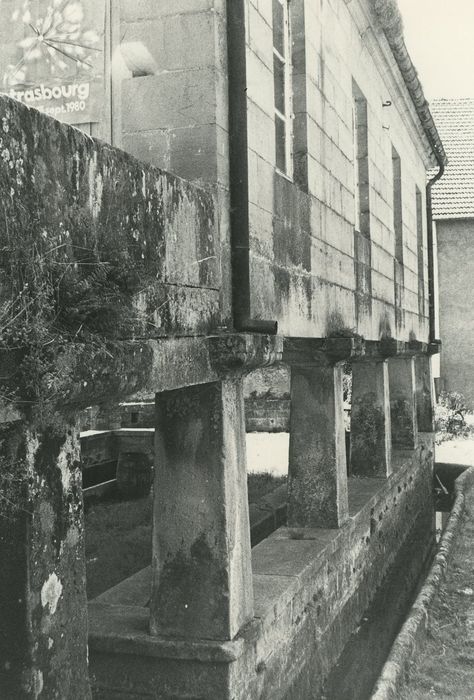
[{"x": 108, "y": 220}]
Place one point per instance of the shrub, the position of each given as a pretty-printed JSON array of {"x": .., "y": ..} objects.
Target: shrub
[{"x": 450, "y": 416}]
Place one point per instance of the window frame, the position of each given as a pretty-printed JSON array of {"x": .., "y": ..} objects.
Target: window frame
[
  {"x": 285, "y": 118},
  {"x": 397, "y": 206},
  {"x": 361, "y": 166}
]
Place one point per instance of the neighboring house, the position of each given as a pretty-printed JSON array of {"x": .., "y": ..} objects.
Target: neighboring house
[
  {"x": 302, "y": 239},
  {"x": 453, "y": 212}
]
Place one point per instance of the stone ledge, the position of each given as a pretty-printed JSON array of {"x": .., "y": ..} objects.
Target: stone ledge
[
  {"x": 409, "y": 638},
  {"x": 124, "y": 629},
  {"x": 300, "y": 552},
  {"x": 324, "y": 351}
]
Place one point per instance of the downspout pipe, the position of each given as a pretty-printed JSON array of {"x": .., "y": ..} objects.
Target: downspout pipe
[
  {"x": 239, "y": 174},
  {"x": 430, "y": 241}
]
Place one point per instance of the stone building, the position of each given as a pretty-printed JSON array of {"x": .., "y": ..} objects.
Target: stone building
[
  {"x": 453, "y": 212},
  {"x": 299, "y": 235}
]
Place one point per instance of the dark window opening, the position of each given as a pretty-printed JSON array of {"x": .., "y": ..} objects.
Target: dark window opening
[
  {"x": 361, "y": 161},
  {"x": 397, "y": 205},
  {"x": 420, "y": 250},
  {"x": 282, "y": 85}
]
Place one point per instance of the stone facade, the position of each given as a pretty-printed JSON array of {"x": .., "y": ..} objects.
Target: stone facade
[
  {"x": 292, "y": 240},
  {"x": 177, "y": 117}
]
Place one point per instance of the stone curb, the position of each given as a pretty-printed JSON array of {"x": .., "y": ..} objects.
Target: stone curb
[{"x": 415, "y": 626}]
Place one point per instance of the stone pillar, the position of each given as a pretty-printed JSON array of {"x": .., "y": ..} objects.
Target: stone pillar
[
  {"x": 371, "y": 435},
  {"x": 43, "y": 606},
  {"x": 202, "y": 577},
  {"x": 317, "y": 474},
  {"x": 402, "y": 402},
  {"x": 424, "y": 394}
]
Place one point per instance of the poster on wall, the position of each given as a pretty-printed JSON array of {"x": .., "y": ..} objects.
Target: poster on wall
[{"x": 52, "y": 56}]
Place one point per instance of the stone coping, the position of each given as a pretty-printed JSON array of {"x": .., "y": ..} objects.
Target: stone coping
[
  {"x": 415, "y": 626},
  {"x": 281, "y": 564},
  {"x": 115, "y": 431}
]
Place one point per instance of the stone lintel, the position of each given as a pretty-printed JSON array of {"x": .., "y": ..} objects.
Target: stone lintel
[
  {"x": 244, "y": 351},
  {"x": 417, "y": 347},
  {"x": 322, "y": 351},
  {"x": 391, "y": 347}
]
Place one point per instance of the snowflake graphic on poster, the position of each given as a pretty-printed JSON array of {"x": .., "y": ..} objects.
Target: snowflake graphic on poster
[{"x": 55, "y": 42}]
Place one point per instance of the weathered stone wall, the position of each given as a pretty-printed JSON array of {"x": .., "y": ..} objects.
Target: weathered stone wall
[
  {"x": 302, "y": 231},
  {"x": 456, "y": 299},
  {"x": 177, "y": 117},
  {"x": 332, "y": 593},
  {"x": 89, "y": 205}
]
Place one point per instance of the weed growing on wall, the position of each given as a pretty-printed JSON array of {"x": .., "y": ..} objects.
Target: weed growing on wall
[{"x": 62, "y": 312}]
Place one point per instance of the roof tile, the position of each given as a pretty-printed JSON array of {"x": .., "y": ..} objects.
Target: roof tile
[{"x": 453, "y": 195}]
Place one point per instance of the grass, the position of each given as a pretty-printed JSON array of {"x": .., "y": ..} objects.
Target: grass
[
  {"x": 118, "y": 534},
  {"x": 443, "y": 666}
]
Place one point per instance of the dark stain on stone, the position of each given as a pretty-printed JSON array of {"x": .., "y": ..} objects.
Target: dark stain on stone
[
  {"x": 402, "y": 422},
  {"x": 183, "y": 596},
  {"x": 363, "y": 275},
  {"x": 291, "y": 225},
  {"x": 367, "y": 442}
]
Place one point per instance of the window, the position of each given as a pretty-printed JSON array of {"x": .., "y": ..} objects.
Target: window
[
  {"x": 398, "y": 270},
  {"x": 420, "y": 249},
  {"x": 282, "y": 85},
  {"x": 361, "y": 161},
  {"x": 362, "y": 242},
  {"x": 397, "y": 205}
]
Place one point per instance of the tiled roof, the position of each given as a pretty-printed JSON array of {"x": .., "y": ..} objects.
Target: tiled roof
[{"x": 453, "y": 195}]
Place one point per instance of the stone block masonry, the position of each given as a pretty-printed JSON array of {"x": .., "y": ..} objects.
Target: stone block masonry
[
  {"x": 112, "y": 212},
  {"x": 332, "y": 49},
  {"x": 100, "y": 250},
  {"x": 128, "y": 281}
]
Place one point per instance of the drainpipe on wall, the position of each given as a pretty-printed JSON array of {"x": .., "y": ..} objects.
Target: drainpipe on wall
[
  {"x": 239, "y": 173},
  {"x": 431, "y": 275}
]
